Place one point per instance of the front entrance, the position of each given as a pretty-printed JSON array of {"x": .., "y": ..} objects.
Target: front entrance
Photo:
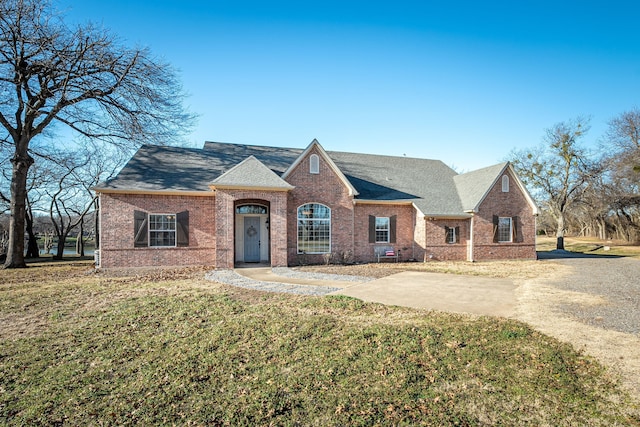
[
  {"x": 251, "y": 239},
  {"x": 252, "y": 233}
]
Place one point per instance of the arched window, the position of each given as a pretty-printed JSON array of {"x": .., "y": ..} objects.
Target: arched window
[
  {"x": 251, "y": 209},
  {"x": 314, "y": 229},
  {"x": 505, "y": 183},
  {"x": 314, "y": 164}
]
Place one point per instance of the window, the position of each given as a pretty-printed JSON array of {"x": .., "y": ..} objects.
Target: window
[
  {"x": 452, "y": 235},
  {"x": 252, "y": 209},
  {"x": 505, "y": 183},
  {"x": 160, "y": 230},
  {"x": 314, "y": 229},
  {"x": 504, "y": 229},
  {"x": 314, "y": 164},
  {"x": 382, "y": 230}
]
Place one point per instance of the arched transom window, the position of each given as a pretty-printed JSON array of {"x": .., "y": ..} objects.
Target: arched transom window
[
  {"x": 251, "y": 209},
  {"x": 314, "y": 229}
]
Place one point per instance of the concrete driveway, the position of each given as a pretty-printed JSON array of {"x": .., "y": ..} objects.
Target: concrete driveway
[{"x": 436, "y": 291}]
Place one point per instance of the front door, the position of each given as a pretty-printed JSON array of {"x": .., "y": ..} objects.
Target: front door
[{"x": 251, "y": 239}]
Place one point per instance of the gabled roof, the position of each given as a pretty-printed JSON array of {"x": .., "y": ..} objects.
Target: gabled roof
[
  {"x": 251, "y": 173},
  {"x": 316, "y": 145},
  {"x": 430, "y": 185},
  {"x": 473, "y": 187}
]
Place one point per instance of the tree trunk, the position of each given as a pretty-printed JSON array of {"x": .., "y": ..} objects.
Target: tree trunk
[
  {"x": 60, "y": 248},
  {"x": 33, "y": 251},
  {"x": 560, "y": 233},
  {"x": 15, "y": 252},
  {"x": 80, "y": 240}
]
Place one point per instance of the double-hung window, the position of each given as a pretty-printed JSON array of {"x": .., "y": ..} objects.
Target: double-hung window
[
  {"x": 314, "y": 229},
  {"x": 162, "y": 230},
  {"x": 382, "y": 229},
  {"x": 505, "y": 232},
  {"x": 452, "y": 234}
]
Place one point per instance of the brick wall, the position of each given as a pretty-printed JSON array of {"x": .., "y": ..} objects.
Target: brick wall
[
  {"x": 117, "y": 230},
  {"x": 212, "y": 225},
  {"x": 405, "y": 217},
  {"x": 419, "y": 236},
  {"x": 510, "y": 204},
  {"x": 436, "y": 246},
  {"x": 325, "y": 188},
  {"x": 227, "y": 200}
]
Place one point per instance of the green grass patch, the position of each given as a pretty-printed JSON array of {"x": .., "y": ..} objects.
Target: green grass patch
[{"x": 130, "y": 351}]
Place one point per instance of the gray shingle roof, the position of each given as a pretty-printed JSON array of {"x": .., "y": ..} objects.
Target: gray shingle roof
[
  {"x": 472, "y": 186},
  {"x": 435, "y": 188},
  {"x": 251, "y": 173}
]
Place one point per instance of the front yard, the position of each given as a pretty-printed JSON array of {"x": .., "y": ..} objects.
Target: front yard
[{"x": 169, "y": 348}]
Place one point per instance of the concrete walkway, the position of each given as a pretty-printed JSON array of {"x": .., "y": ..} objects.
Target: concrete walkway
[
  {"x": 433, "y": 291},
  {"x": 437, "y": 291}
]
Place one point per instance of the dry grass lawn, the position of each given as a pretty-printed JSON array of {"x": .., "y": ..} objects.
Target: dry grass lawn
[{"x": 166, "y": 347}]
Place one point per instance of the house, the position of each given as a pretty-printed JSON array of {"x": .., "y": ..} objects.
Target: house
[{"x": 226, "y": 203}]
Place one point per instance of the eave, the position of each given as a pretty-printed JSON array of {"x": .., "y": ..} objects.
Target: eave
[
  {"x": 248, "y": 188},
  {"x": 153, "y": 192}
]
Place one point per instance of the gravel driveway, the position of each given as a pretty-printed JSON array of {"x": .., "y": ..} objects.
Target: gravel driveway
[
  {"x": 614, "y": 280},
  {"x": 594, "y": 305}
]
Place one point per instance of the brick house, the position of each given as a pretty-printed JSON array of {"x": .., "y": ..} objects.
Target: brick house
[{"x": 225, "y": 204}]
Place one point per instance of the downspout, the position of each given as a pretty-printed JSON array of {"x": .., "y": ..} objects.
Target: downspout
[
  {"x": 413, "y": 240},
  {"x": 471, "y": 234},
  {"x": 98, "y": 257},
  {"x": 353, "y": 229}
]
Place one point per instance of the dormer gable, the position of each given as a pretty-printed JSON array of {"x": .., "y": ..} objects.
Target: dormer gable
[
  {"x": 310, "y": 159},
  {"x": 251, "y": 173},
  {"x": 474, "y": 187}
]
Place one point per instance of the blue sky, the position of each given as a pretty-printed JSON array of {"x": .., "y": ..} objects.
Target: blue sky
[{"x": 462, "y": 81}]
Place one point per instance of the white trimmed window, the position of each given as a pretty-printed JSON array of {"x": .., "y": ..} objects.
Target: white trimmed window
[
  {"x": 505, "y": 232},
  {"x": 452, "y": 235},
  {"x": 382, "y": 229},
  {"x": 162, "y": 230},
  {"x": 314, "y": 229},
  {"x": 505, "y": 183},
  {"x": 314, "y": 164}
]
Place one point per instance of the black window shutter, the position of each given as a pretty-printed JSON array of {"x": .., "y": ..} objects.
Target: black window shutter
[
  {"x": 392, "y": 229},
  {"x": 182, "y": 228},
  {"x": 446, "y": 234},
  {"x": 457, "y": 234},
  {"x": 514, "y": 229},
  {"x": 140, "y": 229},
  {"x": 372, "y": 229},
  {"x": 495, "y": 229}
]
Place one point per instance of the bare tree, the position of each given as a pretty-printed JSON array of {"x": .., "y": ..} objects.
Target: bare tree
[
  {"x": 623, "y": 142},
  {"x": 69, "y": 194},
  {"x": 559, "y": 170},
  {"x": 83, "y": 79},
  {"x": 622, "y": 159}
]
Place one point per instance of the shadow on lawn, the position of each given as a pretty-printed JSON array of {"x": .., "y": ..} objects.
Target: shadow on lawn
[{"x": 560, "y": 254}]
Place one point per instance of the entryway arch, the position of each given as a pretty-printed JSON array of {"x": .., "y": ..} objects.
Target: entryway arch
[{"x": 252, "y": 239}]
